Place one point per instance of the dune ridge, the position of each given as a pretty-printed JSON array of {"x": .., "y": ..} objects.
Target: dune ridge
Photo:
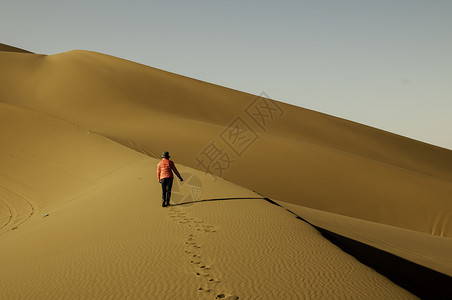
[
  {"x": 4, "y": 47},
  {"x": 80, "y": 214},
  {"x": 337, "y": 165},
  {"x": 98, "y": 231}
]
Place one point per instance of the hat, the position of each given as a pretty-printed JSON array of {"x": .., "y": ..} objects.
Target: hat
[{"x": 165, "y": 154}]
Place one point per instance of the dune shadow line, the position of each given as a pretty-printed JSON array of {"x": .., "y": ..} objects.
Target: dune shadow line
[
  {"x": 215, "y": 199},
  {"x": 419, "y": 280}
]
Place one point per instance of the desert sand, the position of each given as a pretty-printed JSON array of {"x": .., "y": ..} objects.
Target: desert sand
[
  {"x": 8, "y": 48},
  {"x": 80, "y": 208}
]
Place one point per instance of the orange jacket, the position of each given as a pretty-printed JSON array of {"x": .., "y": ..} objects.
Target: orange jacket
[{"x": 165, "y": 169}]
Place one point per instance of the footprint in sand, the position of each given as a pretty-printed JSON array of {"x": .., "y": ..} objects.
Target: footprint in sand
[
  {"x": 201, "y": 274},
  {"x": 177, "y": 217},
  {"x": 205, "y": 289},
  {"x": 227, "y": 296},
  {"x": 205, "y": 230},
  {"x": 193, "y": 248},
  {"x": 192, "y": 244}
]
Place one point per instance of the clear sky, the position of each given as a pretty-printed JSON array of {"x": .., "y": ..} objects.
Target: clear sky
[{"x": 383, "y": 63}]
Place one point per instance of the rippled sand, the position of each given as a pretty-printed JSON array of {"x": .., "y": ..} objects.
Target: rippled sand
[{"x": 80, "y": 208}]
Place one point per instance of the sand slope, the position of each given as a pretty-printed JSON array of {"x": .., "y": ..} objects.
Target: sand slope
[
  {"x": 329, "y": 163},
  {"x": 8, "y": 48},
  {"x": 420, "y": 248},
  {"x": 86, "y": 222}
]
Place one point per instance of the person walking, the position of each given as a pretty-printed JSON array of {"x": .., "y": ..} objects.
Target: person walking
[{"x": 165, "y": 176}]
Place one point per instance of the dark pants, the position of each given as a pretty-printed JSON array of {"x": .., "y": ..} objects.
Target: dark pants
[{"x": 167, "y": 184}]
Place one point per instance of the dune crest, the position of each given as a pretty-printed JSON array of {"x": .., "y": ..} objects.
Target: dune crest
[
  {"x": 80, "y": 211},
  {"x": 8, "y": 48},
  {"x": 331, "y": 164},
  {"x": 84, "y": 220}
]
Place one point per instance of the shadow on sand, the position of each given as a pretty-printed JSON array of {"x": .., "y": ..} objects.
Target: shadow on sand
[{"x": 419, "y": 280}]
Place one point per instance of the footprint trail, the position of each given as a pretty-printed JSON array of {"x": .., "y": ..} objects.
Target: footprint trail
[{"x": 203, "y": 272}]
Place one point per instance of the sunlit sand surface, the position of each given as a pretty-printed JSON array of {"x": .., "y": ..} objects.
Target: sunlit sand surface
[{"x": 80, "y": 204}]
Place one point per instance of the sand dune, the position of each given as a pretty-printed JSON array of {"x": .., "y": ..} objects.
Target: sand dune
[
  {"x": 96, "y": 229},
  {"x": 421, "y": 248},
  {"x": 80, "y": 214},
  {"x": 8, "y": 48},
  {"x": 331, "y": 164}
]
